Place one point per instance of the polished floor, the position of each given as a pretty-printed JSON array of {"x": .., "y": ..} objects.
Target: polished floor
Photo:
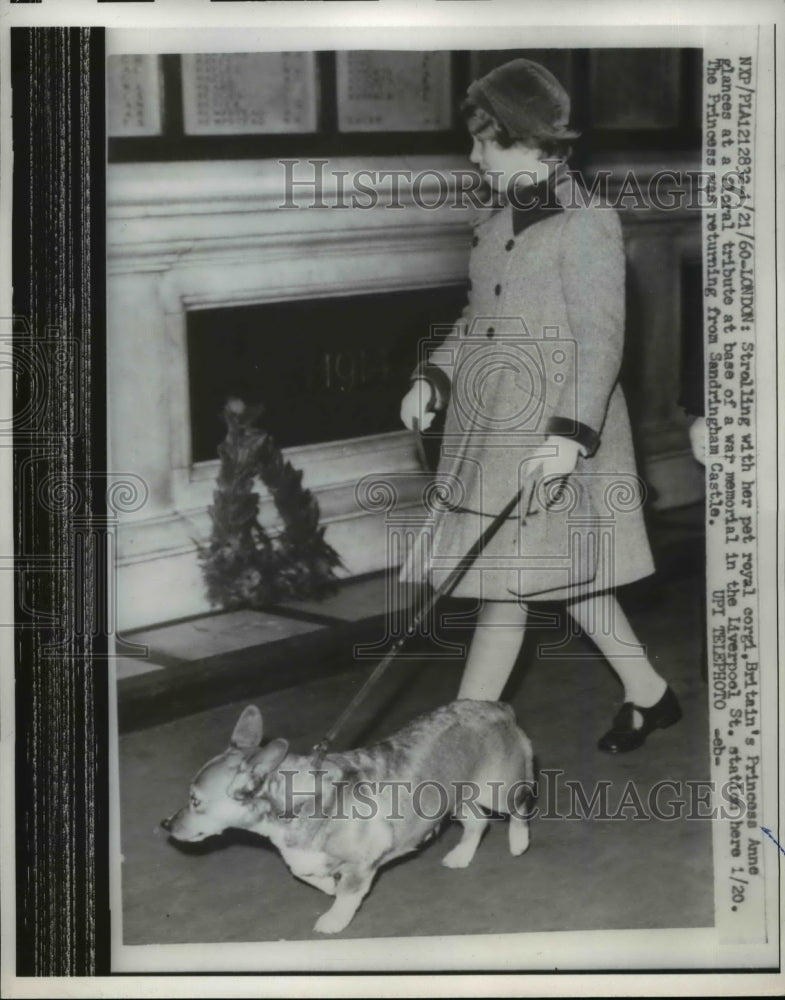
[{"x": 632, "y": 871}]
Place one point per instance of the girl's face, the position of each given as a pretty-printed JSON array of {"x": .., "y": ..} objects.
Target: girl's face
[{"x": 503, "y": 164}]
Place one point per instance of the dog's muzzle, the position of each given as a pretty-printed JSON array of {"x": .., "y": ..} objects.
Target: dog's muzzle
[{"x": 167, "y": 824}]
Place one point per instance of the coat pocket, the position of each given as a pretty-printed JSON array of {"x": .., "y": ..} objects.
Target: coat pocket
[
  {"x": 559, "y": 540},
  {"x": 552, "y": 544}
]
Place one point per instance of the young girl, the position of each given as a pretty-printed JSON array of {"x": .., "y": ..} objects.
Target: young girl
[{"x": 529, "y": 380}]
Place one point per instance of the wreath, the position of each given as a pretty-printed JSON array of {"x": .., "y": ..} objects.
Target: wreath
[{"x": 243, "y": 565}]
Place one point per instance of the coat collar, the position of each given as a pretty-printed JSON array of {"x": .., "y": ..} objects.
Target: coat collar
[{"x": 536, "y": 204}]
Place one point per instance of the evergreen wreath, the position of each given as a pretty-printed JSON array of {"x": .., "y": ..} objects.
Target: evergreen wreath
[{"x": 242, "y": 565}]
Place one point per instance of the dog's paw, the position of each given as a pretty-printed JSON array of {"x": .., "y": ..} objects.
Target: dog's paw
[
  {"x": 330, "y": 923},
  {"x": 458, "y": 857}
]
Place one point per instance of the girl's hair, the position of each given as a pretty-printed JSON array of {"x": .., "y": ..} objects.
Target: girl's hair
[{"x": 483, "y": 124}]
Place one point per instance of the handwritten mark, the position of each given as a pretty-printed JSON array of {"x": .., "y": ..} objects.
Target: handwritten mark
[{"x": 771, "y": 836}]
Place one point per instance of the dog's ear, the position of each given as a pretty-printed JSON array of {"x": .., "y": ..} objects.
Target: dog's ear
[
  {"x": 255, "y": 768},
  {"x": 268, "y": 758},
  {"x": 248, "y": 731}
]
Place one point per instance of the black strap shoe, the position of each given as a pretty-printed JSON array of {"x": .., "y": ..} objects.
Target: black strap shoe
[{"x": 623, "y": 734}]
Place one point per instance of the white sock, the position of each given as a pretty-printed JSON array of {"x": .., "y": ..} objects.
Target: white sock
[{"x": 602, "y": 618}]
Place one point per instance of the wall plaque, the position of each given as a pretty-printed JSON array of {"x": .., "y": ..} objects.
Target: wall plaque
[
  {"x": 249, "y": 92},
  {"x": 133, "y": 95},
  {"x": 394, "y": 91}
]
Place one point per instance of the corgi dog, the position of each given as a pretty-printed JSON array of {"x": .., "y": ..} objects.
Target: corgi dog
[{"x": 336, "y": 820}]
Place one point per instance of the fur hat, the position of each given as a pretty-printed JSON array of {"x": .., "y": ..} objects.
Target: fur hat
[{"x": 526, "y": 99}]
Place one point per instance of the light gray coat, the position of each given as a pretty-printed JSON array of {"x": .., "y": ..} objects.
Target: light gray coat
[{"x": 535, "y": 355}]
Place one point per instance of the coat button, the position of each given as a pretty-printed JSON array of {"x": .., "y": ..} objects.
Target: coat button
[
  {"x": 497, "y": 290},
  {"x": 509, "y": 244},
  {"x": 475, "y": 240},
  {"x": 490, "y": 331}
]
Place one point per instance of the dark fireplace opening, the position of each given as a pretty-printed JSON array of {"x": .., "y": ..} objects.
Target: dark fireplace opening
[{"x": 324, "y": 369}]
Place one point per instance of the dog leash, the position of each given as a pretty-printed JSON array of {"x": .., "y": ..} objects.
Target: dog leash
[{"x": 450, "y": 583}]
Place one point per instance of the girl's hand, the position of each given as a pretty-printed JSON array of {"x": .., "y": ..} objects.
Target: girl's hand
[
  {"x": 698, "y": 439},
  {"x": 416, "y": 403},
  {"x": 561, "y": 463}
]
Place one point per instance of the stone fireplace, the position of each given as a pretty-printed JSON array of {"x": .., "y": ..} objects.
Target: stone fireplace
[
  {"x": 189, "y": 244},
  {"x": 202, "y": 257}
]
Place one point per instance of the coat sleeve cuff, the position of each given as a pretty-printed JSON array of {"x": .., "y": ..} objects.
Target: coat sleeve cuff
[
  {"x": 588, "y": 439},
  {"x": 438, "y": 380}
]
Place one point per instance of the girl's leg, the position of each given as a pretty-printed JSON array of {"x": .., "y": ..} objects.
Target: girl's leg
[
  {"x": 494, "y": 649},
  {"x": 601, "y": 617},
  {"x": 649, "y": 702}
]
